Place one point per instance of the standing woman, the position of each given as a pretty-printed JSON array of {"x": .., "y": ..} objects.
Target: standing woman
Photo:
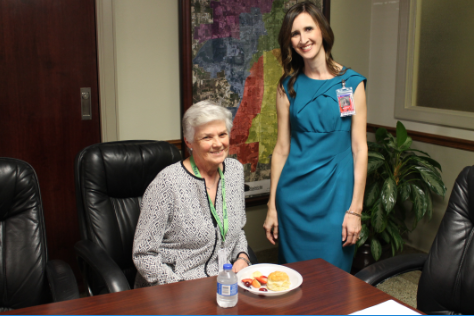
[{"x": 319, "y": 163}]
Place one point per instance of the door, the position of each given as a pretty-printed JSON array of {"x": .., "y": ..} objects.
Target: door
[{"x": 47, "y": 53}]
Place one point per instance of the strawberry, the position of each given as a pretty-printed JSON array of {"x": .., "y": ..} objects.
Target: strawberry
[
  {"x": 262, "y": 279},
  {"x": 256, "y": 284}
]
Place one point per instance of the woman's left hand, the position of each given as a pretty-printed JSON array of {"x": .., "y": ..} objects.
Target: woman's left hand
[
  {"x": 240, "y": 264},
  {"x": 350, "y": 229}
]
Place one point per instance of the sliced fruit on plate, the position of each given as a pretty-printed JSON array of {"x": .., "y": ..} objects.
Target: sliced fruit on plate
[
  {"x": 256, "y": 284},
  {"x": 247, "y": 280},
  {"x": 262, "y": 279},
  {"x": 256, "y": 274}
]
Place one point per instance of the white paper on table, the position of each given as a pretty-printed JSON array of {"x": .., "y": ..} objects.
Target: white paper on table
[{"x": 389, "y": 307}]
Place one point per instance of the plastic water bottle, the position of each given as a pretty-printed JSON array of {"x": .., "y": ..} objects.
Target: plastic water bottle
[{"x": 227, "y": 288}]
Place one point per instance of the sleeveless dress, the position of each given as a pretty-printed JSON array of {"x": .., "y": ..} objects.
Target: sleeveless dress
[{"x": 317, "y": 181}]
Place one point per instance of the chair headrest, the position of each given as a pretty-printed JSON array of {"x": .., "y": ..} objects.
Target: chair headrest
[
  {"x": 19, "y": 189},
  {"x": 124, "y": 169}
]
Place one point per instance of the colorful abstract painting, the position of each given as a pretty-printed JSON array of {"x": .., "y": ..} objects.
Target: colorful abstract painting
[{"x": 235, "y": 57}]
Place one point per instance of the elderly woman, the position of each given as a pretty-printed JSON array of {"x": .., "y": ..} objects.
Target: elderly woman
[{"x": 193, "y": 212}]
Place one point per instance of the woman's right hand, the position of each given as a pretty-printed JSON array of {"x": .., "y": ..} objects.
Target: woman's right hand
[
  {"x": 271, "y": 225},
  {"x": 280, "y": 154}
]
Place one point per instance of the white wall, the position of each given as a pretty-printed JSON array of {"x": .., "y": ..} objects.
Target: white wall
[
  {"x": 382, "y": 37},
  {"x": 147, "y": 69},
  {"x": 350, "y": 22}
]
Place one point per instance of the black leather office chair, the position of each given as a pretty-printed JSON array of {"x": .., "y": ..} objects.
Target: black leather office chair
[
  {"x": 446, "y": 285},
  {"x": 110, "y": 181},
  {"x": 27, "y": 277}
]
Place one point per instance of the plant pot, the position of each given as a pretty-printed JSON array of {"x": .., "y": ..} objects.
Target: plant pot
[{"x": 363, "y": 257}]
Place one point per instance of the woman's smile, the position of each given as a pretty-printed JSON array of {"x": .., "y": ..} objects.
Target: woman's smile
[
  {"x": 307, "y": 48},
  {"x": 217, "y": 152}
]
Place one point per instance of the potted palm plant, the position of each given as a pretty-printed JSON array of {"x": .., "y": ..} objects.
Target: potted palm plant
[{"x": 400, "y": 184}]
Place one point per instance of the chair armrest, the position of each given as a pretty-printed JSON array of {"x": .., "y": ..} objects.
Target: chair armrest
[
  {"x": 252, "y": 256},
  {"x": 61, "y": 281},
  {"x": 99, "y": 261},
  {"x": 385, "y": 269}
]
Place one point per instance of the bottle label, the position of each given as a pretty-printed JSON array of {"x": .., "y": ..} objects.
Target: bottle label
[{"x": 227, "y": 289}]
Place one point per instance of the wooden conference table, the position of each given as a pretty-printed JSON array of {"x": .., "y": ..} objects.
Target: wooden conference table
[{"x": 325, "y": 290}]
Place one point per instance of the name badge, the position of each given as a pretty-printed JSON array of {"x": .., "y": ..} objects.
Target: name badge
[
  {"x": 345, "y": 98},
  {"x": 221, "y": 258}
]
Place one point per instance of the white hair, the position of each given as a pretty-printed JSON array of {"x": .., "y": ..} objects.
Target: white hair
[{"x": 202, "y": 113}]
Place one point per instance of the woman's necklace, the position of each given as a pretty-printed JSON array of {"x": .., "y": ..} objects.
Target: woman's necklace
[{"x": 215, "y": 182}]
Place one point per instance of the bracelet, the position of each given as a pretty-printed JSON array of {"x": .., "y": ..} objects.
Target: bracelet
[
  {"x": 242, "y": 258},
  {"x": 354, "y": 213}
]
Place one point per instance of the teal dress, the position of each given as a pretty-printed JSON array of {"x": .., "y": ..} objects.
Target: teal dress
[{"x": 316, "y": 184}]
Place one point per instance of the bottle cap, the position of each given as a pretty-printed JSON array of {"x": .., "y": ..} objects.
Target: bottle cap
[{"x": 227, "y": 266}]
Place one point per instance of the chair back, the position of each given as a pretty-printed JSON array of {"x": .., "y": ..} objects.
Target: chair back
[
  {"x": 110, "y": 181},
  {"x": 447, "y": 283},
  {"x": 23, "y": 250}
]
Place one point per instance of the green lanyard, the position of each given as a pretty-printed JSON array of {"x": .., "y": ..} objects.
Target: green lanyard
[{"x": 223, "y": 227}]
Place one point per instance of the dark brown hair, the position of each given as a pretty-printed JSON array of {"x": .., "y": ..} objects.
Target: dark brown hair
[{"x": 293, "y": 63}]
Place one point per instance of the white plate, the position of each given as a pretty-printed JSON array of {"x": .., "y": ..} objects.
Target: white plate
[{"x": 266, "y": 268}]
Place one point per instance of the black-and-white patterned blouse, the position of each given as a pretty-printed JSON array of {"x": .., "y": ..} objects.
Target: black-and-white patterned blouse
[{"x": 177, "y": 237}]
